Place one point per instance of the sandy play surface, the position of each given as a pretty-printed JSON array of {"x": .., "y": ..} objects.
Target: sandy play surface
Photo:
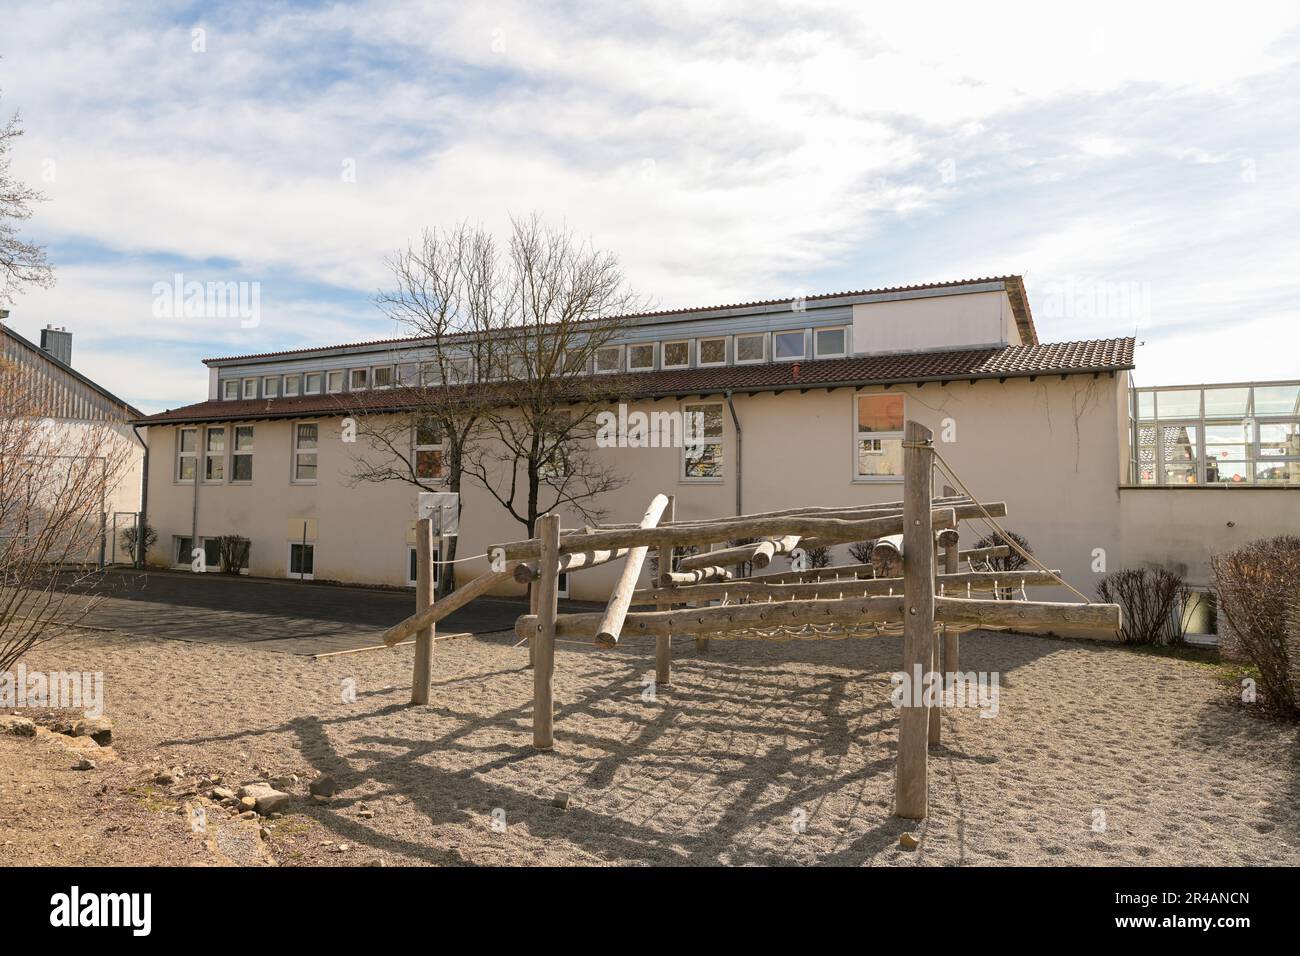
[{"x": 750, "y": 745}]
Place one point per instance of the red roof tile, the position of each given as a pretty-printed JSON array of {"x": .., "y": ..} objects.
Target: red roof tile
[{"x": 1064, "y": 358}]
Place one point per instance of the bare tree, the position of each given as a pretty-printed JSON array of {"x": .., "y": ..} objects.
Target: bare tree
[
  {"x": 446, "y": 293},
  {"x": 563, "y": 302},
  {"x": 54, "y": 479},
  {"x": 21, "y": 263}
]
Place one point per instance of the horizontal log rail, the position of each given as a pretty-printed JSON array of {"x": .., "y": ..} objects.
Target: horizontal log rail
[
  {"x": 675, "y": 579},
  {"x": 757, "y": 589},
  {"x": 827, "y": 529},
  {"x": 757, "y": 553},
  {"x": 851, "y": 571},
  {"x": 832, "y": 511},
  {"x": 1101, "y": 620},
  {"x": 526, "y": 572}
]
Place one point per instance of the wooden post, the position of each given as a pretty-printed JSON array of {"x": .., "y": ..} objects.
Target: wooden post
[
  {"x": 548, "y": 585},
  {"x": 663, "y": 642},
  {"x": 533, "y": 593},
  {"x": 422, "y": 677},
  {"x": 951, "y": 651},
  {"x": 911, "y": 783}
]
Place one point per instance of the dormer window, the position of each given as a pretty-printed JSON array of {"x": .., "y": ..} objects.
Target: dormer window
[
  {"x": 292, "y": 384},
  {"x": 751, "y": 348},
  {"x": 788, "y": 346},
  {"x": 250, "y": 388},
  {"x": 608, "y": 359},
  {"x": 829, "y": 343},
  {"x": 383, "y": 377},
  {"x": 311, "y": 383},
  {"x": 640, "y": 358},
  {"x": 334, "y": 382},
  {"x": 271, "y": 386},
  {"x": 711, "y": 351},
  {"x": 359, "y": 379},
  {"x": 677, "y": 354},
  {"x": 230, "y": 389}
]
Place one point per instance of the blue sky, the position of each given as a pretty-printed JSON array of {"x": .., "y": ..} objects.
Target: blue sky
[{"x": 1139, "y": 164}]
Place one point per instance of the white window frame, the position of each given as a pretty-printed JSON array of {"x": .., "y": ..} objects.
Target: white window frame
[
  {"x": 751, "y": 335},
  {"x": 237, "y": 452},
  {"x": 803, "y": 345},
  {"x": 641, "y": 345},
  {"x": 407, "y": 375},
  {"x": 878, "y": 436},
  {"x": 416, "y": 448},
  {"x": 230, "y": 389},
  {"x": 844, "y": 337},
  {"x": 352, "y": 379},
  {"x": 293, "y": 575},
  {"x": 247, "y": 392},
  {"x": 296, "y": 379},
  {"x": 663, "y": 353},
  {"x": 296, "y": 451},
  {"x": 181, "y": 454},
  {"x": 207, "y": 456},
  {"x": 699, "y": 351},
  {"x": 374, "y": 376},
  {"x": 618, "y": 360},
  {"x": 410, "y": 555},
  {"x": 343, "y": 381},
  {"x": 271, "y": 386},
  {"x": 306, "y": 382},
  {"x": 721, "y": 441}
]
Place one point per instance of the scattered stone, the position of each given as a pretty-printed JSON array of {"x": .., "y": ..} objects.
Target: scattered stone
[
  {"x": 365, "y": 814},
  {"x": 62, "y": 725},
  {"x": 561, "y": 800},
  {"x": 265, "y": 798},
  {"x": 323, "y": 787},
  {"x": 342, "y": 848},
  {"x": 166, "y": 778},
  {"x": 248, "y": 815},
  {"x": 85, "y": 763},
  {"x": 98, "y": 729},
  {"x": 908, "y": 842},
  {"x": 222, "y": 793},
  {"x": 18, "y": 726},
  {"x": 285, "y": 783},
  {"x": 248, "y": 803}
]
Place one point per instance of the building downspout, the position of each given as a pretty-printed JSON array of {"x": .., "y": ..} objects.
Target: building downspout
[
  {"x": 740, "y": 436},
  {"x": 144, "y": 501}
]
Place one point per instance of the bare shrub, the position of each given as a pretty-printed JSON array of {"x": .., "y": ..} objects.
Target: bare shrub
[
  {"x": 1152, "y": 600},
  {"x": 818, "y": 557},
  {"x": 232, "y": 553},
  {"x": 860, "y": 551},
  {"x": 1012, "y": 562},
  {"x": 1259, "y": 615}
]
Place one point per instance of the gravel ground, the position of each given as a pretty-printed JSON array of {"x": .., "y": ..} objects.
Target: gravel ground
[{"x": 759, "y": 753}]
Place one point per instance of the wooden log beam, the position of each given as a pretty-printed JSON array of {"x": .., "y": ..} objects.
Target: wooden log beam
[
  {"x": 985, "y": 554},
  {"x": 621, "y": 597},
  {"x": 664, "y": 642},
  {"x": 1102, "y": 620},
  {"x": 721, "y": 558},
  {"x": 887, "y": 556},
  {"x": 543, "y": 640},
  {"x": 830, "y": 530},
  {"x": 422, "y": 671},
  {"x": 911, "y": 784},
  {"x": 833, "y": 511},
  {"x": 526, "y": 572},
  {"x": 698, "y": 576},
  {"x": 760, "y": 589},
  {"x": 456, "y": 600},
  {"x": 948, "y": 541}
]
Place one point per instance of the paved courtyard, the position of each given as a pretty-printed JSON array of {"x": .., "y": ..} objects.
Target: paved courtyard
[{"x": 288, "y": 616}]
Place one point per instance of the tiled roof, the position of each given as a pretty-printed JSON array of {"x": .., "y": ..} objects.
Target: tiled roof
[
  {"x": 1015, "y": 287},
  {"x": 1064, "y": 358}
]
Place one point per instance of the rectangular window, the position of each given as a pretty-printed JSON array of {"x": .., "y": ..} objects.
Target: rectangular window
[
  {"x": 187, "y": 446},
  {"x": 751, "y": 348},
  {"x": 878, "y": 424},
  {"x": 460, "y": 370},
  {"x": 311, "y": 383},
  {"x": 408, "y": 376},
  {"x": 1201, "y": 614},
  {"x": 711, "y": 351},
  {"x": 412, "y": 571},
  {"x": 830, "y": 343},
  {"x": 1227, "y": 453},
  {"x": 1184, "y": 403},
  {"x": 230, "y": 389},
  {"x": 214, "y": 455},
  {"x": 334, "y": 382},
  {"x": 677, "y": 354},
  {"x": 302, "y": 560},
  {"x": 1181, "y": 454},
  {"x": 184, "y": 546},
  {"x": 426, "y": 446},
  {"x": 573, "y": 362},
  {"x": 250, "y": 388},
  {"x": 292, "y": 385},
  {"x": 241, "y": 456},
  {"x": 305, "y": 436},
  {"x": 788, "y": 345},
  {"x": 608, "y": 358},
  {"x": 358, "y": 379},
  {"x": 640, "y": 358},
  {"x": 702, "y": 444},
  {"x": 382, "y": 377},
  {"x": 1277, "y": 399},
  {"x": 271, "y": 386}
]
